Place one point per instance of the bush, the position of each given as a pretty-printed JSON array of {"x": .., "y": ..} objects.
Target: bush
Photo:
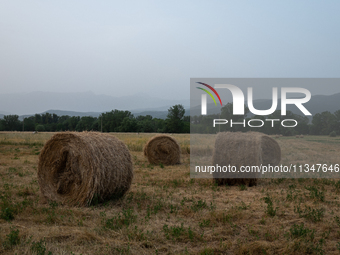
[
  {"x": 270, "y": 209},
  {"x": 7, "y": 208},
  {"x": 332, "y": 134},
  {"x": 12, "y": 239},
  {"x": 39, "y": 248},
  {"x": 40, "y": 128}
]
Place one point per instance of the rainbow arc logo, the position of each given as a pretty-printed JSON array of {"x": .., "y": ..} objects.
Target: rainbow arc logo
[
  {"x": 204, "y": 97},
  {"x": 208, "y": 92}
]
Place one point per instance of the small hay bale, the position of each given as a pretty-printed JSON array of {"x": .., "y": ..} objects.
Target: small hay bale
[
  {"x": 163, "y": 149},
  {"x": 243, "y": 149},
  {"x": 297, "y": 136},
  {"x": 78, "y": 168},
  {"x": 301, "y": 136}
]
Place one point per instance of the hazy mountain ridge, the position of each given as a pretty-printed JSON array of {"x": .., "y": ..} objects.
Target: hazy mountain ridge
[
  {"x": 38, "y": 102},
  {"x": 154, "y": 114},
  {"x": 317, "y": 104}
]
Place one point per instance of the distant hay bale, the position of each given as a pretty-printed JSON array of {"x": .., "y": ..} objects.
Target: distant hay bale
[
  {"x": 162, "y": 149},
  {"x": 280, "y": 135},
  {"x": 243, "y": 149},
  {"x": 78, "y": 168},
  {"x": 297, "y": 136},
  {"x": 301, "y": 136},
  {"x": 277, "y": 136}
]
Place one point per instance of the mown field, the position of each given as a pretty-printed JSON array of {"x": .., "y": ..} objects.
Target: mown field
[{"x": 166, "y": 212}]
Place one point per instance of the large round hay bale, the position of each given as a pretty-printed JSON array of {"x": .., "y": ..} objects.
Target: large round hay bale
[
  {"x": 76, "y": 168},
  {"x": 243, "y": 149},
  {"x": 162, "y": 149}
]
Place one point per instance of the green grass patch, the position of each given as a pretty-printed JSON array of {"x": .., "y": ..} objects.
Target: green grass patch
[
  {"x": 123, "y": 219},
  {"x": 312, "y": 214}
]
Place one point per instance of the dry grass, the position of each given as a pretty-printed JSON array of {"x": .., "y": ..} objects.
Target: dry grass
[{"x": 166, "y": 212}]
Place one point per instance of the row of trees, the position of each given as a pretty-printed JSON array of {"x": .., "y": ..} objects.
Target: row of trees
[
  {"x": 123, "y": 121},
  {"x": 322, "y": 123},
  {"x": 113, "y": 121}
]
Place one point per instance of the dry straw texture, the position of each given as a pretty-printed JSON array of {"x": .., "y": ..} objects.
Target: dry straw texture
[
  {"x": 244, "y": 149},
  {"x": 162, "y": 149},
  {"x": 75, "y": 168}
]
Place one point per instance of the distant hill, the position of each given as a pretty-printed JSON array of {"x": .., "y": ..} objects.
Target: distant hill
[
  {"x": 37, "y": 102},
  {"x": 3, "y": 113},
  {"x": 317, "y": 104},
  {"x": 154, "y": 114},
  {"x": 61, "y": 113}
]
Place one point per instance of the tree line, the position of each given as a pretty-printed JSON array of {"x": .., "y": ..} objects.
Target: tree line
[
  {"x": 323, "y": 123},
  {"x": 113, "y": 121}
]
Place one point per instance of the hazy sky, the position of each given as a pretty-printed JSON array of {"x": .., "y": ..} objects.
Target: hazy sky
[{"x": 123, "y": 48}]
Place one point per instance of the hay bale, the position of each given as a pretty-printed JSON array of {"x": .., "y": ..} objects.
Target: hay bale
[
  {"x": 243, "y": 149},
  {"x": 76, "y": 168},
  {"x": 297, "y": 136},
  {"x": 301, "y": 136},
  {"x": 162, "y": 149}
]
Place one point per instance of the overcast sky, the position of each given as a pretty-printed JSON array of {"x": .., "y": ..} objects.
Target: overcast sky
[{"x": 123, "y": 48}]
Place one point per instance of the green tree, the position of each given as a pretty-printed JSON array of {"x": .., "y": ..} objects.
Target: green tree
[
  {"x": 55, "y": 118},
  {"x": 301, "y": 128},
  {"x": 2, "y": 125},
  {"x": 145, "y": 124},
  {"x": 62, "y": 123},
  {"x": 29, "y": 124},
  {"x": 174, "y": 120},
  {"x": 128, "y": 124},
  {"x": 37, "y": 119},
  {"x": 85, "y": 123},
  {"x": 337, "y": 120},
  {"x": 159, "y": 125},
  {"x": 71, "y": 123},
  {"x": 47, "y": 118},
  {"x": 12, "y": 123},
  {"x": 323, "y": 123},
  {"x": 227, "y": 113},
  {"x": 40, "y": 128},
  {"x": 203, "y": 124},
  {"x": 112, "y": 120}
]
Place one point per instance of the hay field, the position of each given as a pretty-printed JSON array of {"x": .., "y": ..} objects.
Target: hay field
[{"x": 166, "y": 212}]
